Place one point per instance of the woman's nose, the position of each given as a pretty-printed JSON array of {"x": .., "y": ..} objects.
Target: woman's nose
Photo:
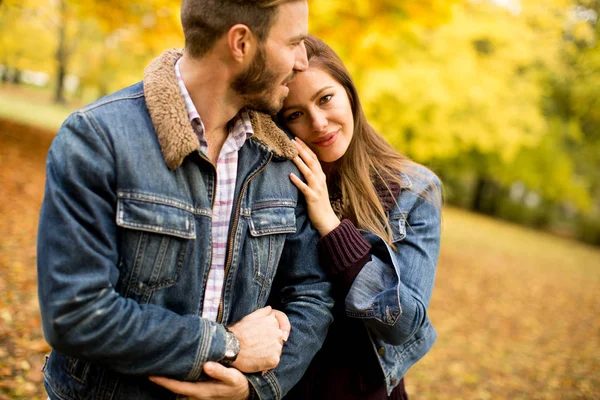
[{"x": 319, "y": 121}]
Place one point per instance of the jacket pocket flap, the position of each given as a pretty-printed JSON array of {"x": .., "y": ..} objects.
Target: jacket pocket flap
[
  {"x": 155, "y": 217},
  {"x": 398, "y": 225},
  {"x": 272, "y": 220}
]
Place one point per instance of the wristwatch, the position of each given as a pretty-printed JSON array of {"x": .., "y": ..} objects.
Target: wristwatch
[{"x": 232, "y": 348}]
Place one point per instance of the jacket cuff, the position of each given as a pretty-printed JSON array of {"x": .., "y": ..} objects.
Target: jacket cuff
[
  {"x": 210, "y": 348},
  {"x": 264, "y": 387},
  {"x": 345, "y": 251}
]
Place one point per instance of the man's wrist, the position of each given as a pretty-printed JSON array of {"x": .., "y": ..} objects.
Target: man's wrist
[{"x": 232, "y": 348}]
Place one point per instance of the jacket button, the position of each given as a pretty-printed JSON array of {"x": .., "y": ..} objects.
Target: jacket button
[
  {"x": 381, "y": 351},
  {"x": 394, "y": 381}
]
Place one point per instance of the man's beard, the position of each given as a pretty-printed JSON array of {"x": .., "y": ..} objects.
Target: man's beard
[{"x": 257, "y": 84}]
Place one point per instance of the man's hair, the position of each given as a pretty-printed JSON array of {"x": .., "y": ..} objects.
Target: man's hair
[{"x": 205, "y": 21}]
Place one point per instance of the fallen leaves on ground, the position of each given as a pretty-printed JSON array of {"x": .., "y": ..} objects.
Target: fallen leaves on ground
[
  {"x": 516, "y": 310},
  {"x": 22, "y": 346}
]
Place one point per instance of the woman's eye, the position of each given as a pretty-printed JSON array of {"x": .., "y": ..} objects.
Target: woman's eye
[
  {"x": 293, "y": 116},
  {"x": 326, "y": 98}
]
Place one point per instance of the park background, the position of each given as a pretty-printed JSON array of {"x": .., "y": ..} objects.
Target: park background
[{"x": 501, "y": 98}]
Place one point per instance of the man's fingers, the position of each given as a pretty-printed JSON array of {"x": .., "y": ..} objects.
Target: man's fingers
[
  {"x": 179, "y": 387},
  {"x": 219, "y": 372},
  {"x": 261, "y": 312},
  {"x": 284, "y": 323}
]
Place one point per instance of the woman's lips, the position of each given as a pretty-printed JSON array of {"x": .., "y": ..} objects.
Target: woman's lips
[{"x": 327, "y": 140}]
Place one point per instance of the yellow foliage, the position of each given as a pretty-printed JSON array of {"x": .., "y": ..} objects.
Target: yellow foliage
[{"x": 473, "y": 82}]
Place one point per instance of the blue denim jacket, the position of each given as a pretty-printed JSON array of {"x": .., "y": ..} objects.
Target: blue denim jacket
[
  {"x": 392, "y": 291},
  {"x": 124, "y": 248}
]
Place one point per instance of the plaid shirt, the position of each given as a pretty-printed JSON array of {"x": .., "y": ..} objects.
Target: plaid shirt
[{"x": 240, "y": 129}]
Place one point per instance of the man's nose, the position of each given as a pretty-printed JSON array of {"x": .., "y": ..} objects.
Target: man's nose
[{"x": 301, "y": 63}]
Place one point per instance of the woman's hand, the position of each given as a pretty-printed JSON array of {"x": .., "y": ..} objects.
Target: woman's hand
[{"x": 317, "y": 197}]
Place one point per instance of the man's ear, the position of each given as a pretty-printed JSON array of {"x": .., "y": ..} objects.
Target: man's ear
[{"x": 242, "y": 43}]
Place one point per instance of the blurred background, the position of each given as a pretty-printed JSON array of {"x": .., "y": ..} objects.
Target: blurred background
[{"x": 501, "y": 98}]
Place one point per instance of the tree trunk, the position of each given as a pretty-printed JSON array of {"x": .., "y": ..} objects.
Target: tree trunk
[
  {"x": 487, "y": 196},
  {"x": 5, "y": 74},
  {"x": 61, "y": 56},
  {"x": 544, "y": 214},
  {"x": 60, "y": 85},
  {"x": 479, "y": 195},
  {"x": 16, "y": 77}
]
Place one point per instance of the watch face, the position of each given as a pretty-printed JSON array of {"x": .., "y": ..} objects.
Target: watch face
[{"x": 232, "y": 347}]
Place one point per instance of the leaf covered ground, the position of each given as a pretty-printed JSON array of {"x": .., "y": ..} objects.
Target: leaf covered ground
[{"x": 517, "y": 311}]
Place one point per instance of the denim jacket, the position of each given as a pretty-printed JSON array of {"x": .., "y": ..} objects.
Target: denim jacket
[
  {"x": 124, "y": 248},
  {"x": 392, "y": 291}
]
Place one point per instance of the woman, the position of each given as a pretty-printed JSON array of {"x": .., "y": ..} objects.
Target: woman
[{"x": 378, "y": 214}]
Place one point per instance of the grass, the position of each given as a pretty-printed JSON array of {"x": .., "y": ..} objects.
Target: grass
[{"x": 32, "y": 106}]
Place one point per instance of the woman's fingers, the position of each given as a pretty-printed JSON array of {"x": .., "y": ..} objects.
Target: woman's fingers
[
  {"x": 310, "y": 167},
  {"x": 303, "y": 187},
  {"x": 303, "y": 145},
  {"x": 306, "y": 171},
  {"x": 315, "y": 188},
  {"x": 308, "y": 156}
]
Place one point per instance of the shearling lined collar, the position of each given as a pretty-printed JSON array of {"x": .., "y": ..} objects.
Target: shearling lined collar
[{"x": 175, "y": 134}]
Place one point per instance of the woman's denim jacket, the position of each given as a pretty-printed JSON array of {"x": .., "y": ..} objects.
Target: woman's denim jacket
[
  {"x": 392, "y": 291},
  {"x": 124, "y": 249}
]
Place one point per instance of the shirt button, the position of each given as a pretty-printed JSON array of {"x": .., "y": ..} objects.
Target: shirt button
[
  {"x": 381, "y": 351},
  {"x": 394, "y": 381}
]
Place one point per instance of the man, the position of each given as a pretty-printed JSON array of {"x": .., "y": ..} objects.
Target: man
[{"x": 169, "y": 219}]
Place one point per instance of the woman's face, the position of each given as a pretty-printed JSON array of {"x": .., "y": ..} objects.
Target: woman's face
[{"x": 318, "y": 111}]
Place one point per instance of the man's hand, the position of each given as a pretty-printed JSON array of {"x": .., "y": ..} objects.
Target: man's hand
[
  {"x": 227, "y": 383},
  {"x": 261, "y": 335}
]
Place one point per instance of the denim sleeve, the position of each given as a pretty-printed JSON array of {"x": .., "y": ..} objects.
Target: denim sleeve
[
  {"x": 82, "y": 314},
  {"x": 303, "y": 293},
  {"x": 392, "y": 291}
]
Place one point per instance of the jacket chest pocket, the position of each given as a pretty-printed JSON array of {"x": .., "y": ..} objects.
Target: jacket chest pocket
[
  {"x": 154, "y": 243},
  {"x": 268, "y": 229}
]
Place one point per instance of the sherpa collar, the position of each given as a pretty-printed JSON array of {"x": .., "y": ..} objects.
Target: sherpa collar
[{"x": 175, "y": 134}]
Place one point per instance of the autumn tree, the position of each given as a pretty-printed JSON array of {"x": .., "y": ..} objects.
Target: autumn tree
[
  {"x": 24, "y": 39},
  {"x": 91, "y": 37}
]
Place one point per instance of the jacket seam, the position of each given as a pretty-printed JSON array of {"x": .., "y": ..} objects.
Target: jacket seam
[
  {"x": 274, "y": 203},
  {"x": 162, "y": 200},
  {"x": 191, "y": 234},
  {"x": 407, "y": 349},
  {"x": 270, "y": 376},
  {"x": 205, "y": 343},
  {"x": 100, "y": 103},
  {"x": 92, "y": 124},
  {"x": 56, "y": 391}
]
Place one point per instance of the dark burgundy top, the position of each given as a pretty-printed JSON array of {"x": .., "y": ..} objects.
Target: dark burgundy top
[{"x": 347, "y": 367}]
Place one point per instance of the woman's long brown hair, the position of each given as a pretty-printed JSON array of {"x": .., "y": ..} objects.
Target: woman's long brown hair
[{"x": 369, "y": 160}]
